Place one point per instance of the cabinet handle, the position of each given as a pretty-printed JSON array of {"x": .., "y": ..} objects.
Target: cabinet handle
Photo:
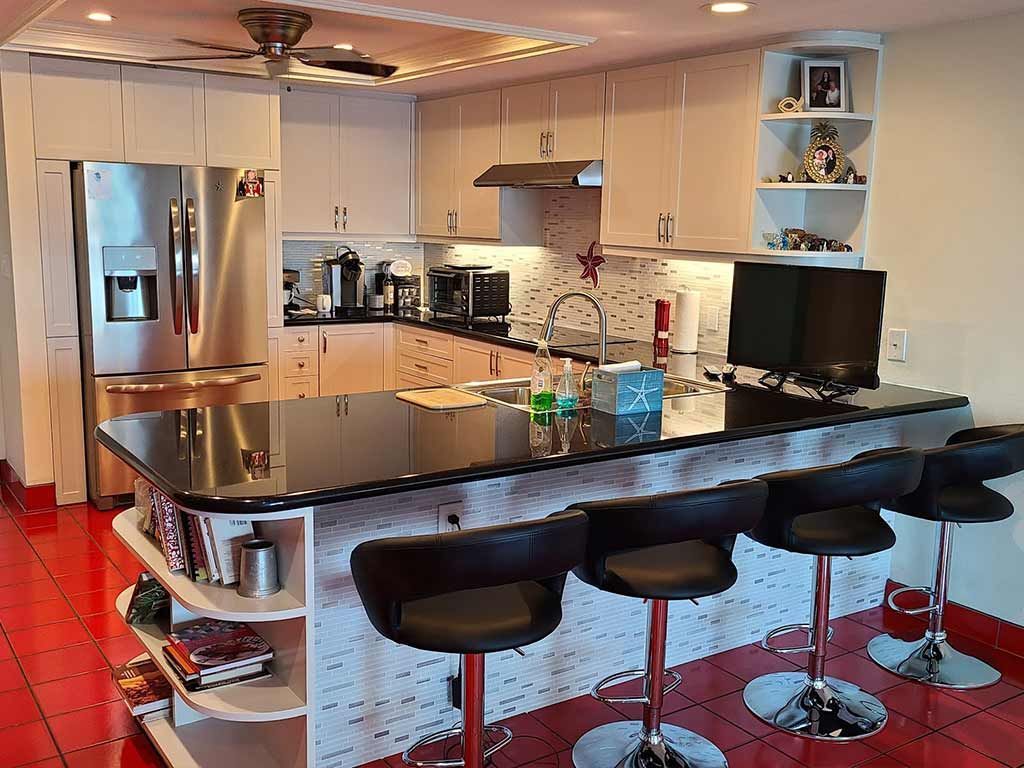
[
  {"x": 421, "y": 367},
  {"x": 302, "y": 364},
  {"x": 449, "y": 221},
  {"x": 302, "y": 339},
  {"x": 668, "y": 228},
  {"x": 497, "y": 362},
  {"x": 455, "y": 221},
  {"x": 490, "y": 362},
  {"x": 661, "y": 221},
  {"x": 551, "y": 144},
  {"x": 540, "y": 146},
  {"x": 302, "y": 395},
  {"x": 325, "y": 342},
  {"x": 424, "y": 342},
  {"x": 336, "y": 217},
  {"x": 344, "y": 218}
]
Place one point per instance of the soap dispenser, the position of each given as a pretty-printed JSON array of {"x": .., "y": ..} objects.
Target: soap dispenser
[{"x": 567, "y": 396}]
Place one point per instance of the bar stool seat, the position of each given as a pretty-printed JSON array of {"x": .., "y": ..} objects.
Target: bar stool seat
[
  {"x": 852, "y": 531},
  {"x": 680, "y": 571},
  {"x": 962, "y": 504}
]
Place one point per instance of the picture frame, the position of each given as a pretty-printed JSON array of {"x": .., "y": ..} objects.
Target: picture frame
[
  {"x": 824, "y": 159},
  {"x": 824, "y": 85}
]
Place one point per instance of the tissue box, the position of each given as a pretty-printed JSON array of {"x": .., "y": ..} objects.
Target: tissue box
[
  {"x": 607, "y": 429},
  {"x": 633, "y": 392}
]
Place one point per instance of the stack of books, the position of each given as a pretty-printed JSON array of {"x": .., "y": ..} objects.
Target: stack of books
[
  {"x": 203, "y": 548},
  {"x": 144, "y": 689},
  {"x": 212, "y": 653}
]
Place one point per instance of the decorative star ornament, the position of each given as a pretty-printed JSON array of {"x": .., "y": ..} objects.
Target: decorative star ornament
[
  {"x": 640, "y": 393},
  {"x": 590, "y": 264}
]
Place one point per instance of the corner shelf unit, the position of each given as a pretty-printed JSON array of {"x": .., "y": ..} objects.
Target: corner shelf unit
[
  {"x": 782, "y": 139},
  {"x": 260, "y": 724}
]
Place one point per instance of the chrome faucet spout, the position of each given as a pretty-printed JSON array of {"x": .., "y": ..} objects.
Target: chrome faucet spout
[{"x": 602, "y": 321}]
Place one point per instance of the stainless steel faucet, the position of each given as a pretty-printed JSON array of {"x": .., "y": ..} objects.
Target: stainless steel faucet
[{"x": 602, "y": 321}]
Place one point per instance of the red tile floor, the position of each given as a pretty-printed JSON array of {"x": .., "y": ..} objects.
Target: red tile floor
[{"x": 59, "y": 635}]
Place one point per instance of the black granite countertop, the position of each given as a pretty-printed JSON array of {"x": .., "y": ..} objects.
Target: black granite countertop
[{"x": 266, "y": 457}]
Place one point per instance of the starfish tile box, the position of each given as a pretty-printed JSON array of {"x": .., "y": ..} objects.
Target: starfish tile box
[
  {"x": 607, "y": 429},
  {"x": 628, "y": 392}
]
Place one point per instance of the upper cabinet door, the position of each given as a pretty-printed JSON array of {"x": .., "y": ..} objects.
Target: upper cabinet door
[
  {"x": 243, "y": 119},
  {"x": 309, "y": 162},
  {"x": 478, "y": 210},
  {"x": 577, "y": 118},
  {"x": 715, "y": 152},
  {"x": 76, "y": 109},
  {"x": 164, "y": 116},
  {"x": 638, "y": 159},
  {"x": 524, "y": 123},
  {"x": 435, "y": 174},
  {"x": 60, "y": 290},
  {"x": 376, "y": 165}
]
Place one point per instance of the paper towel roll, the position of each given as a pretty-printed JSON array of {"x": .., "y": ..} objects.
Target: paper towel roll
[
  {"x": 684, "y": 365},
  {"x": 687, "y": 320}
]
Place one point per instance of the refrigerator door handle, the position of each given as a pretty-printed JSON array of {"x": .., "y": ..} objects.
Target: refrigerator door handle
[
  {"x": 182, "y": 386},
  {"x": 194, "y": 264},
  {"x": 178, "y": 248},
  {"x": 228, "y": 381}
]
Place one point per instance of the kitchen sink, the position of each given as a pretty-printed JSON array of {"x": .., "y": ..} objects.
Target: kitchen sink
[{"x": 515, "y": 393}]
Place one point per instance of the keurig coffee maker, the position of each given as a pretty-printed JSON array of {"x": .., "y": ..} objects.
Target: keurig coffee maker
[{"x": 343, "y": 282}]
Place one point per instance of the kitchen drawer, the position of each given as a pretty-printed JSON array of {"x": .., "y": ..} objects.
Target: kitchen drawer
[
  {"x": 299, "y": 387},
  {"x": 301, "y": 363},
  {"x": 299, "y": 339},
  {"x": 406, "y": 381},
  {"x": 422, "y": 366},
  {"x": 426, "y": 342}
]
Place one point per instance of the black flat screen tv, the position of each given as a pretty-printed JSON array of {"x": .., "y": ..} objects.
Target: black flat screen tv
[{"x": 816, "y": 323}]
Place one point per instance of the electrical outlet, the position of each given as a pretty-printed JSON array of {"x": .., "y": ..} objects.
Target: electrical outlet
[
  {"x": 711, "y": 318},
  {"x": 896, "y": 349},
  {"x": 446, "y": 511}
]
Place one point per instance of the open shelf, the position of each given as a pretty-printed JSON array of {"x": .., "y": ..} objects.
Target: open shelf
[
  {"x": 810, "y": 186},
  {"x": 806, "y": 254},
  {"x": 207, "y": 743},
  {"x": 214, "y": 600},
  {"x": 803, "y": 117},
  {"x": 256, "y": 701}
]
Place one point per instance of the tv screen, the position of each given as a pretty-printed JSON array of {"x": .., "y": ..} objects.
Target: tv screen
[{"x": 815, "y": 322}]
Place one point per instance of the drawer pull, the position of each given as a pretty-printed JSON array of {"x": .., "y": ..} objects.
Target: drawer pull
[
  {"x": 302, "y": 395},
  {"x": 302, "y": 339},
  {"x": 302, "y": 364},
  {"x": 424, "y": 342},
  {"x": 421, "y": 367}
]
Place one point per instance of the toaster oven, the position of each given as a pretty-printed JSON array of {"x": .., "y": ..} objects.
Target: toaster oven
[{"x": 468, "y": 292}]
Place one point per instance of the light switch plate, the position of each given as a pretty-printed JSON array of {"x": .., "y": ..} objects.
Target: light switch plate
[{"x": 896, "y": 349}]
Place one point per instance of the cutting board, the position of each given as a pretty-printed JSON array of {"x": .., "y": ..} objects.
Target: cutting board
[{"x": 440, "y": 399}]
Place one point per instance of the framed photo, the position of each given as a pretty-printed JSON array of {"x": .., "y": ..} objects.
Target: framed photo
[
  {"x": 824, "y": 160},
  {"x": 824, "y": 86}
]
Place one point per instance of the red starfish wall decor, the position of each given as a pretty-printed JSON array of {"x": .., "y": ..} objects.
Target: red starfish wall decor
[{"x": 590, "y": 264}]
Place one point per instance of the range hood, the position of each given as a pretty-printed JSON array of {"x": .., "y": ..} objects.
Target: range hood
[{"x": 568, "y": 174}]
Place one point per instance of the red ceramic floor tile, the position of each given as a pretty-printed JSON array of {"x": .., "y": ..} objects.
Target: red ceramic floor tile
[
  {"x": 78, "y": 692},
  {"x": 703, "y": 680},
  {"x": 751, "y": 661},
  {"x": 28, "y": 592},
  {"x": 990, "y": 735},
  {"x": 16, "y": 555},
  {"x": 64, "y": 662},
  {"x": 27, "y": 642},
  {"x": 820, "y": 754},
  {"x": 66, "y": 547},
  {"x": 733, "y": 709},
  {"x": 706, "y": 723},
  {"x": 17, "y": 707},
  {"x": 54, "y": 518},
  {"x": 91, "y": 561},
  {"x": 95, "y": 725},
  {"x": 888, "y": 621},
  {"x": 22, "y": 574},
  {"x": 104, "y": 625},
  {"x": 50, "y": 762},
  {"x": 531, "y": 740},
  {"x": 133, "y": 752},
  {"x": 938, "y": 750},
  {"x": 850, "y": 634},
  {"x": 1012, "y": 710},
  {"x": 927, "y": 706},
  {"x": 862, "y": 672},
  {"x": 10, "y": 675},
  {"x": 90, "y": 581},
  {"x": 571, "y": 719},
  {"x": 673, "y": 701},
  {"x": 35, "y": 614},
  {"x": 99, "y": 601},
  {"x": 120, "y": 650},
  {"x": 6, "y": 652},
  {"x": 983, "y": 698},
  {"x": 885, "y": 761},
  {"x": 25, "y": 744},
  {"x": 899, "y": 730},
  {"x": 758, "y": 754}
]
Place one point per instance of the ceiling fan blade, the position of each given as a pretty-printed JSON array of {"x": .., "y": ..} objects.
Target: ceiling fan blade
[
  {"x": 214, "y": 46},
  {"x": 204, "y": 58},
  {"x": 362, "y": 67},
  {"x": 330, "y": 53}
]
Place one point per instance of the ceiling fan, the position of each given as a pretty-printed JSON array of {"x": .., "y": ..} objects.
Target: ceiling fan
[{"x": 277, "y": 32}]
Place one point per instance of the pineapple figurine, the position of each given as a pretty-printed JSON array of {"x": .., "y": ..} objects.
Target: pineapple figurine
[{"x": 824, "y": 160}]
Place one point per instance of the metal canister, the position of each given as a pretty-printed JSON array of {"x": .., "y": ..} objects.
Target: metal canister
[{"x": 258, "y": 577}]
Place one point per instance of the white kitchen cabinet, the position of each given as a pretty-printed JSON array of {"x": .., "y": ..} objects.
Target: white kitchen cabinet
[
  {"x": 478, "y": 147},
  {"x": 309, "y": 161},
  {"x": 57, "y": 240},
  {"x": 474, "y": 361},
  {"x": 243, "y": 120},
  {"x": 351, "y": 358},
  {"x": 435, "y": 177},
  {"x": 421, "y": 366},
  {"x": 513, "y": 363},
  {"x": 299, "y": 388},
  {"x": 524, "y": 122},
  {"x": 164, "y": 116},
  {"x": 76, "y": 109},
  {"x": 275, "y": 252},
  {"x": 556, "y": 120},
  {"x": 66, "y": 424}
]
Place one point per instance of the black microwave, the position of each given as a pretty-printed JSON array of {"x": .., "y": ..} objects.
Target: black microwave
[{"x": 468, "y": 292}]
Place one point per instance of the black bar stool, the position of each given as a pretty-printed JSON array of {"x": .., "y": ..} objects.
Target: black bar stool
[
  {"x": 469, "y": 592},
  {"x": 951, "y": 491},
  {"x": 676, "y": 546},
  {"x": 827, "y": 512}
]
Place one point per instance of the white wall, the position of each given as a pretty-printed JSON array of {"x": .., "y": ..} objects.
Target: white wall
[{"x": 946, "y": 215}]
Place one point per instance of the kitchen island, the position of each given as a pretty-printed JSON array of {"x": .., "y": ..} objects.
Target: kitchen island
[{"x": 321, "y": 475}]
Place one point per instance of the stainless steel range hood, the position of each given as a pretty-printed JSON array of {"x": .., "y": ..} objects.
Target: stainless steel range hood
[{"x": 568, "y": 174}]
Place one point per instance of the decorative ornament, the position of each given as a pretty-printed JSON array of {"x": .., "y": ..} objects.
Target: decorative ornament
[
  {"x": 824, "y": 159},
  {"x": 789, "y": 104},
  {"x": 590, "y": 264},
  {"x": 851, "y": 175}
]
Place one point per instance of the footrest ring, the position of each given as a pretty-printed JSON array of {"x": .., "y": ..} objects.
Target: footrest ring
[
  {"x": 930, "y": 608},
  {"x": 408, "y": 759},
  {"x": 632, "y": 674},
  {"x": 766, "y": 640}
]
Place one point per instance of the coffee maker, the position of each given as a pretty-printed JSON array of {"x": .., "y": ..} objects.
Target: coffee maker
[{"x": 343, "y": 282}]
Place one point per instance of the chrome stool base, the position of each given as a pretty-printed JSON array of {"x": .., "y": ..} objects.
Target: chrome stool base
[
  {"x": 504, "y": 736},
  {"x": 628, "y": 745},
  {"x": 832, "y": 710},
  {"x": 932, "y": 662}
]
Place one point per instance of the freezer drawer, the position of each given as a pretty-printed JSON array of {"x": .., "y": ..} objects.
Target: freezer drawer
[{"x": 122, "y": 395}]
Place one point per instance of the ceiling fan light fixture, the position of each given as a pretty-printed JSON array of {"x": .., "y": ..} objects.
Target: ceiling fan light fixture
[
  {"x": 344, "y": 46},
  {"x": 99, "y": 16},
  {"x": 729, "y": 7}
]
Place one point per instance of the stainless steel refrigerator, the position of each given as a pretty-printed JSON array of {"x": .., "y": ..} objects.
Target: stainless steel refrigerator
[{"x": 172, "y": 276}]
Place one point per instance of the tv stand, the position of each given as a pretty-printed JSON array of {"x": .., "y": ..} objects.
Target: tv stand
[{"x": 826, "y": 389}]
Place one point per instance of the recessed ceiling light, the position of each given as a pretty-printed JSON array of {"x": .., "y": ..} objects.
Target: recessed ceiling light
[
  {"x": 729, "y": 7},
  {"x": 344, "y": 46},
  {"x": 99, "y": 16}
]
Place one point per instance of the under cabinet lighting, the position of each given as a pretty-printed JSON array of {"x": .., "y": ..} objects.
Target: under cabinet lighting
[
  {"x": 99, "y": 16},
  {"x": 729, "y": 7},
  {"x": 344, "y": 46}
]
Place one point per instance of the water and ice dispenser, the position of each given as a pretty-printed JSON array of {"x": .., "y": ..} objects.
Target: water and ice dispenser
[{"x": 129, "y": 278}]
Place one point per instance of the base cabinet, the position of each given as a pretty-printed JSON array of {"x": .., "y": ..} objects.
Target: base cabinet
[{"x": 351, "y": 359}]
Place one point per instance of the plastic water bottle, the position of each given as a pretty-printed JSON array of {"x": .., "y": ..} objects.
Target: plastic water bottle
[
  {"x": 542, "y": 394},
  {"x": 567, "y": 396}
]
